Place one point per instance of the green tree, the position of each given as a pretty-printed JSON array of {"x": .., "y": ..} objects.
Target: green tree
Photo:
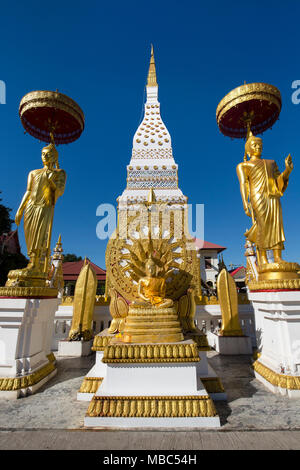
[
  {"x": 5, "y": 220},
  {"x": 71, "y": 257},
  {"x": 8, "y": 261}
]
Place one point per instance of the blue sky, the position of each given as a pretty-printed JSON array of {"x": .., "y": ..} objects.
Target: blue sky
[{"x": 98, "y": 53}]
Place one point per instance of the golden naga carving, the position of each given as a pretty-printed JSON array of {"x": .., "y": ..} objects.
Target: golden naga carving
[
  {"x": 175, "y": 257},
  {"x": 228, "y": 299},
  {"x": 44, "y": 187},
  {"x": 84, "y": 302},
  {"x": 152, "y": 276}
]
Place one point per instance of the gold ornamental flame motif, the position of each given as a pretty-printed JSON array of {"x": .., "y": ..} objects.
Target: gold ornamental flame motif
[
  {"x": 228, "y": 298},
  {"x": 84, "y": 302}
]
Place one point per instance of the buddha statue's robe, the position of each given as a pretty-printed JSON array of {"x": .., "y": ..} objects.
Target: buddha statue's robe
[
  {"x": 266, "y": 186},
  {"x": 39, "y": 207},
  {"x": 155, "y": 290}
]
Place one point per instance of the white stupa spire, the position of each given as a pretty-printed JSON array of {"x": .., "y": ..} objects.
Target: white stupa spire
[{"x": 152, "y": 165}]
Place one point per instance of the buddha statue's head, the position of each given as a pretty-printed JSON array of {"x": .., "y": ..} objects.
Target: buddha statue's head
[
  {"x": 150, "y": 267},
  {"x": 50, "y": 155},
  {"x": 254, "y": 146}
]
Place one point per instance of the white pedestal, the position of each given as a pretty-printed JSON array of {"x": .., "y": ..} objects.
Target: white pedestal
[
  {"x": 156, "y": 381},
  {"x": 159, "y": 382},
  {"x": 230, "y": 345},
  {"x": 277, "y": 320},
  {"x": 26, "y": 329},
  {"x": 74, "y": 348}
]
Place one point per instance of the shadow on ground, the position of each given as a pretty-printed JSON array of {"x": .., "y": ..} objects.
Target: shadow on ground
[{"x": 237, "y": 375}]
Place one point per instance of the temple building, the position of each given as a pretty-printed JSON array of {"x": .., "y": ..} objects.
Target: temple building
[
  {"x": 71, "y": 271},
  {"x": 209, "y": 261}
]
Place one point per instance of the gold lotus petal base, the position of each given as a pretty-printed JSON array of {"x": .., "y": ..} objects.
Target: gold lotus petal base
[
  {"x": 101, "y": 341},
  {"x": 143, "y": 353},
  {"x": 90, "y": 384},
  {"x": 26, "y": 277},
  {"x": 28, "y": 292},
  {"x": 282, "y": 271},
  {"x": 287, "y": 382},
  {"x": 152, "y": 407},
  {"x": 275, "y": 284}
]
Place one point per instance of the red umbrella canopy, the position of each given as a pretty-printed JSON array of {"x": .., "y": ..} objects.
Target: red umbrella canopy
[
  {"x": 256, "y": 103},
  {"x": 42, "y": 112}
]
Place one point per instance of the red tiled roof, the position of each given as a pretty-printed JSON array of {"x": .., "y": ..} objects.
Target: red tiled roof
[
  {"x": 236, "y": 270},
  {"x": 71, "y": 270},
  {"x": 203, "y": 245}
]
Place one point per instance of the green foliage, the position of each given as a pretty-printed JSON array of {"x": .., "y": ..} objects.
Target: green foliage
[
  {"x": 71, "y": 257},
  {"x": 5, "y": 220},
  {"x": 8, "y": 261}
]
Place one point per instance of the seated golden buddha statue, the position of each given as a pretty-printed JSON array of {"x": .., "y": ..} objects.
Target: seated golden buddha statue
[{"x": 152, "y": 289}]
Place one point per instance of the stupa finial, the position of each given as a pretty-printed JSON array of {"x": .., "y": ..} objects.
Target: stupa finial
[{"x": 151, "y": 81}]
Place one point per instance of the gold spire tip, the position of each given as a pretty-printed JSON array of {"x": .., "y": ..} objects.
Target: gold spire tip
[{"x": 151, "y": 81}]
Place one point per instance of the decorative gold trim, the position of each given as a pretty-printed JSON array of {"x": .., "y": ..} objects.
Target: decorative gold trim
[
  {"x": 213, "y": 384},
  {"x": 17, "y": 383},
  {"x": 152, "y": 407},
  {"x": 51, "y": 357},
  {"x": 143, "y": 353},
  {"x": 90, "y": 384},
  {"x": 100, "y": 342},
  {"x": 50, "y": 99},
  {"x": 36, "y": 292},
  {"x": 256, "y": 354},
  {"x": 278, "y": 380},
  {"x": 276, "y": 284}
]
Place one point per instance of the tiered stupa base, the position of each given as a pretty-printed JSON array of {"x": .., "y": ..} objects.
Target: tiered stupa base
[{"x": 151, "y": 384}]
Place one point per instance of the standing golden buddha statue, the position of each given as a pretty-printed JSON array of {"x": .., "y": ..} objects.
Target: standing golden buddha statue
[
  {"x": 262, "y": 186},
  {"x": 44, "y": 187},
  {"x": 250, "y": 109}
]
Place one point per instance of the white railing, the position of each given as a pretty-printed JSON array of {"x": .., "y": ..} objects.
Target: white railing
[
  {"x": 208, "y": 318},
  {"x": 63, "y": 321}
]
